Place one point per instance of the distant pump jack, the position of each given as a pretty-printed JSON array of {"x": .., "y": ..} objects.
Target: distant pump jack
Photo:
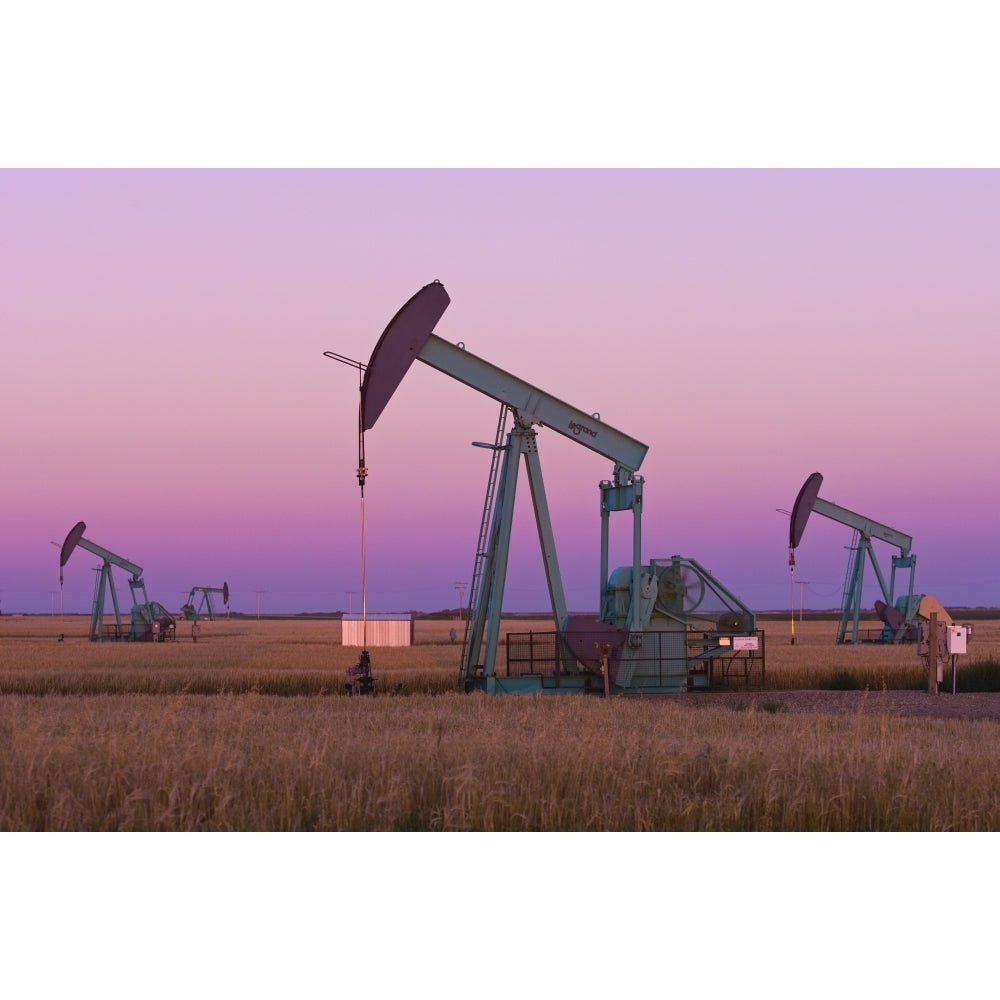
[
  {"x": 898, "y": 614},
  {"x": 193, "y": 612}
]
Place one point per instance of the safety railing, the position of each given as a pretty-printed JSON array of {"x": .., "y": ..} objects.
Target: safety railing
[{"x": 655, "y": 659}]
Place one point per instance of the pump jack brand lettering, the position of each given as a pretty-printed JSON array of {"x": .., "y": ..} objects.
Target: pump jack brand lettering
[{"x": 579, "y": 429}]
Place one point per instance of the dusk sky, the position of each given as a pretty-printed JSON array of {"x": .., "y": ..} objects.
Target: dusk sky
[{"x": 164, "y": 378}]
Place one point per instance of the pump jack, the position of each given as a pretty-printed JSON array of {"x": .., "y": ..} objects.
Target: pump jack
[
  {"x": 150, "y": 620},
  {"x": 190, "y": 610},
  {"x": 897, "y": 614},
  {"x": 638, "y": 602}
]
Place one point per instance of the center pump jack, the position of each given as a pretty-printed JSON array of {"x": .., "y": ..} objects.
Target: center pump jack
[{"x": 650, "y": 635}]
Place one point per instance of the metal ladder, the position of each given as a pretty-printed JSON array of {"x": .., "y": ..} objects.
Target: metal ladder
[
  {"x": 846, "y": 602},
  {"x": 484, "y": 531}
]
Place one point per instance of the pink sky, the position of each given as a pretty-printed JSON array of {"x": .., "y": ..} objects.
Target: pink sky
[{"x": 164, "y": 379}]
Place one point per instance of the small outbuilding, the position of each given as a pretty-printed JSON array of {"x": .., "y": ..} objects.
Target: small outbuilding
[{"x": 377, "y": 630}]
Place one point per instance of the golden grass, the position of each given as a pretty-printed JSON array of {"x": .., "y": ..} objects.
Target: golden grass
[
  {"x": 281, "y": 656},
  {"x": 459, "y": 762},
  {"x": 815, "y": 657},
  {"x": 120, "y": 737},
  {"x": 304, "y": 656}
]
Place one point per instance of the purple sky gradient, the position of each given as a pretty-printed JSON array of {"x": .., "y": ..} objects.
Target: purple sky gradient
[{"x": 163, "y": 376}]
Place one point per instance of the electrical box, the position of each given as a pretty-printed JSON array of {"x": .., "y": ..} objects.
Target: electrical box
[{"x": 957, "y": 638}]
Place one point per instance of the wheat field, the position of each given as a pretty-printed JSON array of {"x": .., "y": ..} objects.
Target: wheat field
[{"x": 249, "y": 730}]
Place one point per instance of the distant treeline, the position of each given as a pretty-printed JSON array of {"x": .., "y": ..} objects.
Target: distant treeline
[
  {"x": 450, "y": 614},
  {"x": 965, "y": 614}
]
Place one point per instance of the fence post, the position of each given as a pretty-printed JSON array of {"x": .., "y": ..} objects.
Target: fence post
[{"x": 604, "y": 649}]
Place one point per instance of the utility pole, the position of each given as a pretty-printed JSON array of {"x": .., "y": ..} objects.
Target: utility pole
[
  {"x": 58, "y": 546},
  {"x": 350, "y": 601},
  {"x": 801, "y": 583},
  {"x": 461, "y": 587},
  {"x": 791, "y": 578},
  {"x": 260, "y": 593}
]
